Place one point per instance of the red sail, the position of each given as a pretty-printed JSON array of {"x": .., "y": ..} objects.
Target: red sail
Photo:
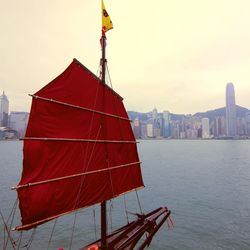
[{"x": 79, "y": 148}]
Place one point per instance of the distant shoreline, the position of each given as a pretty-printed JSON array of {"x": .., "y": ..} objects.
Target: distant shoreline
[{"x": 195, "y": 139}]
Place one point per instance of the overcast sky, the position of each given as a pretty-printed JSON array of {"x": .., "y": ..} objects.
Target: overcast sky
[{"x": 173, "y": 55}]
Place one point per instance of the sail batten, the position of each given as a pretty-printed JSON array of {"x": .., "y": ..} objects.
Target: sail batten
[
  {"x": 77, "y": 140},
  {"x": 79, "y": 107},
  {"x": 75, "y": 157},
  {"x": 28, "y": 185}
]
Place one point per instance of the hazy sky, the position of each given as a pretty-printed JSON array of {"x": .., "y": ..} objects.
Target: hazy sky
[{"x": 173, "y": 55}]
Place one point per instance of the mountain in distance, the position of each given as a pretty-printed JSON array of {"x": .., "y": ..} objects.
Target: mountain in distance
[
  {"x": 240, "y": 112},
  {"x": 211, "y": 114},
  {"x": 145, "y": 116},
  {"x": 141, "y": 116}
]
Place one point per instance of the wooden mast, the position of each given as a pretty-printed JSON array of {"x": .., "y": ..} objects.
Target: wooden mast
[{"x": 103, "y": 204}]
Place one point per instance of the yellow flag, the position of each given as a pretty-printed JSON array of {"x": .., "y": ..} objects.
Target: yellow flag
[{"x": 106, "y": 21}]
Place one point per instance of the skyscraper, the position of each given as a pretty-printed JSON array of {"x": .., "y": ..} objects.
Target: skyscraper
[
  {"x": 18, "y": 121},
  {"x": 137, "y": 128},
  {"x": 4, "y": 110},
  {"x": 205, "y": 128},
  {"x": 166, "y": 124},
  {"x": 154, "y": 113},
  {"x": 230, "y": 110},
  {"x": 248, "y": 123}
]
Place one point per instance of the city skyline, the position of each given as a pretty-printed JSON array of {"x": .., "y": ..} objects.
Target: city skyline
[
  {"x": 231, "y": 121},
  {"x": 209, "y": 125},
  {"x": 167, "y": 54},
  {"x": 137, "y": 110}
]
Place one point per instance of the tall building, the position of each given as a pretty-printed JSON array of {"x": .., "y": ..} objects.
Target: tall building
[
  {"x": 4, "y": 110},
  {"x": 219, "y": 126},
  {"x": 150, "y": 130},
  {"x": 136, "y": 128},
  {"x": 166, "y": 124},
  {"x": 18, "y": 121},
  {"x": 154, "y": 113},
  {"x": 158, "y": 126},
  {"x": 230, "y": 110},
  {"x": 205, "y": 128},
  {"x": 248, "y": 123},
  {"x": 241, "y": 126}
]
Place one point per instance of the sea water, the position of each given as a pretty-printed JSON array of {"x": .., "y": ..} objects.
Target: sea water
[{"x": 205, "y": 183}]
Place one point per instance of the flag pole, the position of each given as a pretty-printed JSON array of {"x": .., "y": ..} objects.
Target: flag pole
[
  {"x": 103, "y": 204},
  {"x": 106, "y": 25}
]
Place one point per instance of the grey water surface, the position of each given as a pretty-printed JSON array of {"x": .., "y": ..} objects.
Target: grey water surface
[{"x": 205, "y": 183}]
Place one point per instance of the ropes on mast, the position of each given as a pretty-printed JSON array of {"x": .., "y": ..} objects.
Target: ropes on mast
[
  {"x": 137, "y": 196},
  {"x": 20, "y": 240},
  {"x": 125, "y": 208},
  {"x": 110, "y": 214},
  {"x": 8, "y": 233},
  {"x": 94, "y": 217},
  {"x": 8, "y": 226},
  {"x": 86, "y": 163},
  {"x": 28, "y": 244},
  {"x": 51, "y": 234},
  {"x": 94, "y": 222}
]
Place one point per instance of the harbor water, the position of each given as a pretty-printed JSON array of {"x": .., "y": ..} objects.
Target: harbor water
[{"x": 205, "y": 183}]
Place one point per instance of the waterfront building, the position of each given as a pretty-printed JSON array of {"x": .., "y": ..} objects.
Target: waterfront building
[
  {"x": 154, "y": 113},
  {"x": 222, "y": 126},
  {"x": 175, "y": 129},
  {"x": 166, "y": 124},
  {"x": 157, "y": 132},
  {"x": 7, "y": 133},
  {"x": 181, "y": 128},
  {"x": 241, "y": 126},
  {"x": 219, "y": 126},
  {"x": 18, "y": 121},
  {"x": 248, "y": 123},
  {"x": 230, "y": 110},
  {"x": 158, "y": 126},
  {"x": 182, "y": 135},
  {"x": 144, "y": 130},
  {"x": 205, "y": 128},
  {"x": 214, "y": 127},
  {"x": 4, "y": 110},
  {"x": 150, "y": 130},
  {"x": 192, "y": 133},
  {"x": 136, "y": 128}
]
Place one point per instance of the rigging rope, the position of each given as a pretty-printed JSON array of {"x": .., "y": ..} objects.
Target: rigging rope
[
  {"x": 73, "y": 230},
  {"x": 84, "y": 163},
  {"x": 20, "y": 240},
  {"x": 98, "y": 70},
  {"x": 109, "y": 78},
  {"x": 138, "y": 200},
  {"x": 52, "y": 232},
  {"x": 125, "y": 207},
  {"x": 106, "y": 67},
  {"x": 11, "y": 217},
  {"x": 28, "y": 244},
  {"x": 94, "y": 222},
  {"x": 7, "y": 229},
  {"x": 110, "y": 214}
]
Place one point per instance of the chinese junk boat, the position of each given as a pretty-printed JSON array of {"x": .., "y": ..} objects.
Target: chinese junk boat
[{"x": 79, "y": 150}]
